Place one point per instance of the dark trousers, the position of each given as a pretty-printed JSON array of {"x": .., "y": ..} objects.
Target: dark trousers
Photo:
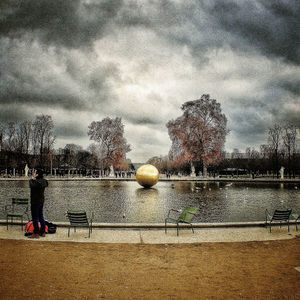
[{"x": 37, "y": 216}]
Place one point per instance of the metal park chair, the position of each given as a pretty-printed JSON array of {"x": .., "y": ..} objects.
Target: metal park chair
[
  {"x": 17, "y": 209},
  {"x": 79, "y": 219},
  {"x": 186, "y": 217},
  {"x": 296, "y": 217},
  {"x": 278, "y": 216}
]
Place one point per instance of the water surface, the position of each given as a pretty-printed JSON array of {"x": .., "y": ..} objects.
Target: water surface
[{"x": 127, "y": 202}]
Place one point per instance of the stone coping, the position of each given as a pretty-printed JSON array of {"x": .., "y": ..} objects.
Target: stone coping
[
  {"x": 157, "y": 236},
  {"x": 162, "y": 225},
  {"x": 193, "y": 179}
]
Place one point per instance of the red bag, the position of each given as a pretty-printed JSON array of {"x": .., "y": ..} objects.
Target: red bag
[{"x": 29, "y": 228}]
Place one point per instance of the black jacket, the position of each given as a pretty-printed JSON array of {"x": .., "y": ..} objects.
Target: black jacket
[{"x": 37, "y": 188}]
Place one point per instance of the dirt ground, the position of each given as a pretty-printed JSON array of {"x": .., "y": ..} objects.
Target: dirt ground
[{"x": 64, "y": 270}]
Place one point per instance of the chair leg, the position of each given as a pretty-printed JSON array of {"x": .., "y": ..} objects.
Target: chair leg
[
  {"x": 288, "y": 226},
  {"x": 69, "y": 231},
  {"x": 22, "y": 223},
  {"x": 192, "y": 228},
  {"x": 165, "y": 226},
  {"x": 6, "y": 222},
  {"x": 177, "y": 229}
]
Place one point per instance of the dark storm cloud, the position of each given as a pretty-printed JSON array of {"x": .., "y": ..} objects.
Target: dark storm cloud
[
  {"x": 25, "y": 90},
  {"x": 13, "y": 113},
  {"x": 271, "y": 27},
  {"x": 268, "y": 27},
  {"x": 91, "y": 59},
  {"x": 141, "y": 120},
  {"x": 69, "y": 23},
  {"x": 25, "y": 78},
  {"x": 70, "y": 129},
  {"x": 18, "y": 91},
  {"x": 288, "y": 84},
  {"x": 248, "y": 123}
]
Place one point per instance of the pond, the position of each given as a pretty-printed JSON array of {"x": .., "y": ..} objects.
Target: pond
[{"x": 127, "y": 202}]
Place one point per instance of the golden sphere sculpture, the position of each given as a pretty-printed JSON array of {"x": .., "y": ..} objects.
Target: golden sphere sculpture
[{"x": 147, "y": 176}]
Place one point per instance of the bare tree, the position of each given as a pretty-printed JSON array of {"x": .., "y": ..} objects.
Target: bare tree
[
  {"x": 11, "y": 136},
  {"x": 109, "y": 133},
  {"x": 289, "y": 134},
  {"x": 71, "y": 155},
  {"x": 199, "y": 134},
  {"x": 2, "y": 136},
  {"x": 43, "y": 138},
  {"x": 23, "y": 133},
  {"x": 26, "y": 131},
  {"x": 274, "y": 139},
  {"x": 264, "y": 151}
]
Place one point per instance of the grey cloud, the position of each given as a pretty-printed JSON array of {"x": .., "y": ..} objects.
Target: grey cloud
[
  {"x": 270, "y": 28},
  {"x": 69, "y": 23},
  {"x": 142, "y": 120},
  {"x": 291, "y": 85},
  {"x": 248, "y": 127},
  {"x": 246, "y": 123},
  {"x": 25, "y": 90},
  {"x": 95, "y": 81},
  {"x": 273, "y": 28},
  {"x": 136, "y": 118},
  {"x": 47, "y": 60},
  {"x": 150, "y": 14},
  {"x": 78, "y": 86},
  {"x": 147, "y": 114},
  {"x": 13, "y": 113},
  {"x": 70, "y": 129}
]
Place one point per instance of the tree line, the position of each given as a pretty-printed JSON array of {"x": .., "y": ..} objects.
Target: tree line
[
  {"x": 27, "y": 142},
  {"x": 198, "y": 137},
  {"x": 32, "y": 143},
  {"x": 281, "y": 150}
]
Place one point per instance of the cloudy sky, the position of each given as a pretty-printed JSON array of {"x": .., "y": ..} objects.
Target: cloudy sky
[{"x": 80, "y": 61}]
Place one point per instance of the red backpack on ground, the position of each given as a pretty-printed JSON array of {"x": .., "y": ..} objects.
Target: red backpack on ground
[{"x": 29, "y": 228}]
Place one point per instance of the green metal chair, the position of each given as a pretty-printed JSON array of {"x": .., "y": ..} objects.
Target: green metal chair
[
  {"x": 278, "y": 216},
  {"x": 17, "y": 209},
  {"x": 79, "y": 219},
  {"x": 186, "y": 217},
  {"x": 296, "y": 217}
]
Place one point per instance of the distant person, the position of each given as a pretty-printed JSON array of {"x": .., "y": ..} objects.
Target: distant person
[{"x": 37, "y": 187}]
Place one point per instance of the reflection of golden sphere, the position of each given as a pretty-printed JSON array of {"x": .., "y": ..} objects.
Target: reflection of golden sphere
[{"x": 147, "y": 175}]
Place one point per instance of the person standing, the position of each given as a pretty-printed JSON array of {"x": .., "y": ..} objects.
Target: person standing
[{"x": 37, "y": 187}]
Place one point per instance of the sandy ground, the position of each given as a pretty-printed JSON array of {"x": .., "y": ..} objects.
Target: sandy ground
[{"x": 74, "y": 270}]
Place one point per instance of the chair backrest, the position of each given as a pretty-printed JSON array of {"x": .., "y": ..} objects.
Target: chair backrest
[
  {"x": 281, "y": 215},
  {"x": 188, "y": 214},
  {"x": 19, "y": 205},
  {"x": 19, "y": 201},
  {"x": 77, "y": 218}
]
